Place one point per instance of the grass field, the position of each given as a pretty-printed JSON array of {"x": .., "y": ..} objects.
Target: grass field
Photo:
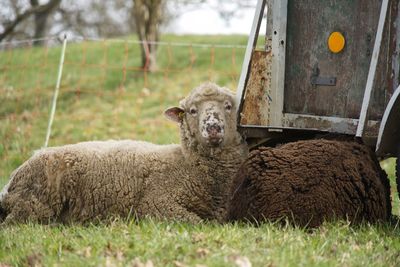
[{"x": 104, "y": 95}]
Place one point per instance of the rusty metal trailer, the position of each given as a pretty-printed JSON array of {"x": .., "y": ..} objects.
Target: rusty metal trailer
[{"x": 329, "y": 66}]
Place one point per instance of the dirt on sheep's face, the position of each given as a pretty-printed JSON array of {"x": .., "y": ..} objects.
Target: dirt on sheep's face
[
  {"x": 308, "y": 182},
  {"x": 207, "y": 118}
]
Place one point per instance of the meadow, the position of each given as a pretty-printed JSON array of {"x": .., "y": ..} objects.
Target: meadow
[{"x": 104, "y": 95}]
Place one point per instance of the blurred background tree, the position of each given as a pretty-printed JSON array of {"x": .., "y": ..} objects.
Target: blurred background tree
[
  {"x": 25, "y": 19},
  {"x": 14, "y": 13}
]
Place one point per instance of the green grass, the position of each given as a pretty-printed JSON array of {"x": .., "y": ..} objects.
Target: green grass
[
  {"x": 177, "y": 244},
  {"x": 104, "y": 95}
]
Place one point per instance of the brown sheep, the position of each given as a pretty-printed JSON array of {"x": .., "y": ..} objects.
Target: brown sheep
[
  {"x": 308, "y": 182},
  {"x": 94, "y": 180}
]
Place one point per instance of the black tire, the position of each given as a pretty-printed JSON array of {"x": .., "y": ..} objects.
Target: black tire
[{"x": 398, "y": 173}]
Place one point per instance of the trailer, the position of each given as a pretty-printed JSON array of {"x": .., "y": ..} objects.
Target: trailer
[{"x": 327, "y": 67}]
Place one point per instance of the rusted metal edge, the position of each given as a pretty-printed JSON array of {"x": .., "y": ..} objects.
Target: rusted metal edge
[
  {"x": 316, "y": 124},
  {"x": 256, "y": 131},
  {"x": 255, "y": 29},
  {"x": 330, "y": 124},
  {"x": 255, "y": 107}
]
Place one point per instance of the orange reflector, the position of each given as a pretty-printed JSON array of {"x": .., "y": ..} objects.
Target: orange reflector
[{"x": 336, "y": 42}]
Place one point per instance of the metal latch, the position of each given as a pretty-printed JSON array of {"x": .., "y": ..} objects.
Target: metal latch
[{"x": 317, "y": 80}]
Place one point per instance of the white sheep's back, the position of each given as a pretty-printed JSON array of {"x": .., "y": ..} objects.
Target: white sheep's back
[{"x": 111, "y": 146}]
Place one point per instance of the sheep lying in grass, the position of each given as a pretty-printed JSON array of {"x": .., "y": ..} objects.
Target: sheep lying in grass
[
  {"x": 94, "y": 180},
  {"x": 308, "y": 182}
]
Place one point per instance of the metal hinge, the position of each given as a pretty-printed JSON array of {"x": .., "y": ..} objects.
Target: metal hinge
[{"x": 317, "y": 80}]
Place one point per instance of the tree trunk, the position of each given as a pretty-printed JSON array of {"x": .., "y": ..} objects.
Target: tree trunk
[
  {"x": 148, "y": 16},
  {"x": 41, "y": 18},
  {"x": 40, "y": 27}
]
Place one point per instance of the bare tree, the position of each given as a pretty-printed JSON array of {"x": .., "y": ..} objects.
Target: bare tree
[
  {"x": 41, "y": 18},
  {"x": 41, "y": 13},
  {"x": 149, "y": 15},
  {"x": 90, "y": 18}
]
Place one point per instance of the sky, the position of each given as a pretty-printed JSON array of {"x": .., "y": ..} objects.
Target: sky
[{"x": 207, "y": 21}]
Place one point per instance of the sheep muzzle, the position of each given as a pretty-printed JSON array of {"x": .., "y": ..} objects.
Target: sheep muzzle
[
  {"x": 215, "y": 134},
  {"x": 212, "y": 129}
]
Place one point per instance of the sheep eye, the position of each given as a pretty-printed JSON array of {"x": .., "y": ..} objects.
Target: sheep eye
[
  {"x": 193, "y": 111},
  {"x": 228, "y": 106}
]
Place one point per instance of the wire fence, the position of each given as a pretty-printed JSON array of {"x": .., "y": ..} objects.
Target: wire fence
[
  {"x": 103, "y": 58},
  {"x": 103, "y": 74}
]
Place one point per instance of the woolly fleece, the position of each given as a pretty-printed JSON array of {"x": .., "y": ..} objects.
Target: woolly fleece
[{"x": 308, "y": 182}]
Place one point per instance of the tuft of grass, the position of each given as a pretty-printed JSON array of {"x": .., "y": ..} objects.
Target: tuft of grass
[
  {"x": 389, "y": 165},
  {"x": 105, "y": 95}
]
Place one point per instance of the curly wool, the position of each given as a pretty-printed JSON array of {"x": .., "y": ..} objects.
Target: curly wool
[
  {"x": 96, "y": 180},
  {"x": 308, "y": 182}
]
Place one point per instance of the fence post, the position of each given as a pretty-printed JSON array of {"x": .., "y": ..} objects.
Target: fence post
[{"x": 56, "y": 90}]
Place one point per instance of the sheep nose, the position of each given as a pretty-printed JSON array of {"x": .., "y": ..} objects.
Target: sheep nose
[{"x": 213, "y": 130}]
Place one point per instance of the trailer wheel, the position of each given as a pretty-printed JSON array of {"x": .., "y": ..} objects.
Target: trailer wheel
[{"x": 398, "y": 173}]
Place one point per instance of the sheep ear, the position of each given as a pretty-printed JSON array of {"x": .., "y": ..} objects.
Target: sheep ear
[{"x": 174, "y": 114}]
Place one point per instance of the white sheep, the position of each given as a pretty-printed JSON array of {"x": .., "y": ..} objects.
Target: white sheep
[{"x": 95, "y": 180}]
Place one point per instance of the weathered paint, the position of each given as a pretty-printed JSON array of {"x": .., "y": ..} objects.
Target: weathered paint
[
  {"x": 251, "y": 44},
  {"x": 328, "y": 124},
  {"x": 309, "y": 25},
  {"x": 257, "y": 99}
]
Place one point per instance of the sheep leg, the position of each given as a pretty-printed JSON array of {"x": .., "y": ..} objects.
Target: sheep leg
[
  {"x": 23, "y": 208},
  {"x": 165, "y": 208},
  {"x": 27, "y": 196}
]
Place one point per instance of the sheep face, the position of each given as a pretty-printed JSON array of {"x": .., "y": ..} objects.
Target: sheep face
[
  {"x": 207, "y": 115},
  {"x": 210, "y": 118}
]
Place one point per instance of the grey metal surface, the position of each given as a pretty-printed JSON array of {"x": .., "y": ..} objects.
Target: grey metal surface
[
  {"x": 279, "y": 15},
  {"x": 309, "y": 25},
  {"x": 362, "y": 122},
  {"x": 317, "y": 80},
  {"x": 327, "y": 81}
]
